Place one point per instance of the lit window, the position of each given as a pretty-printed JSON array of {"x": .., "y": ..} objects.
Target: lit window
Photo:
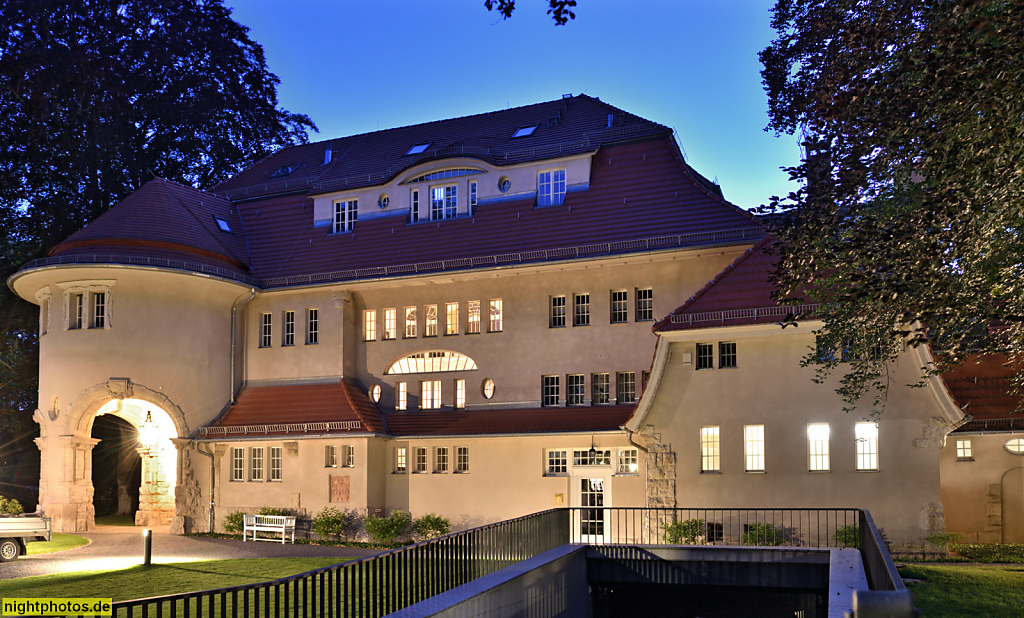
[
  {"x": 370, "y": 325},
  {"x": 575, "y": 389},
  {"x": 390, "y": 323},
  {"x": 753, "y": 448},
  {"x": 288, "y": 333},
  {"x": 496, "y": 318},
  {"x": 430, "y": 320},
  {"x": 99, "y": 310},
  {"x": 414, "y": 206},
  {"x": 345, "y": 214},
  {"x": 410, "y": 322},
  {"x": 551, "y": 188},
  {"x": 867, "y": 445},
  {"x": 444, "y": 202},
  {"x": 460, "y": 393},
  {"x": 237, "y": 464},
  {"x": 525, "y": 131},
  {"x": 330, "y": 456},
  {"x": 266, "y": 331},
  {"x": 817, "y": 447},
  {"x": 417, "y": 149},
  {"x": 400, "y": 460},
  {"x": 487, "y": 388},
  {"x": 964, "y": 451},
  {"x": 375, "y": 393},
  {"x": 473, "y": 317},
  {"x": 627, "y": 461},
  {"x": 222, "y": 224},
  {"x": 256, "y": 464},
  {"x": 441, "y": 459},
  {"x": 348, "y": 456},
  {"x": 557, "y": 313},
  {"x": 705, "y": 356},
  {"x": 431, "y": 362},
  {"x": 710, "y": 454},
  {"x": 430, "y": 394},
  {"x": 419, "y": 461},
  {"x": 644, "y": 304},
  {"x": 1015, "y": 446},
  {"x": 451, "y": 323},
  {"x": 600, "y": 388},
  {"x": 462, "y": 459},
  {"x": 276, "y": 464},
  {"x": 401, "y": 396},
  {"x": 581, "y": 309},
  {"x": 620, "y": 307},
  {"x": 549, "y": 391},
  {"x": 625, "y": 387},
  {"x": 472, "y": 197},
  {"x": 726, "y": 355},
  {"x": 313, "y": 326},
  {"x": 558, "y": 462},
  {"x": 601, "y": 457}
]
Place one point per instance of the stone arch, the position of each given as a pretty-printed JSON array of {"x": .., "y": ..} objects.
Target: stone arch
[{"x": 83, "y": 411}]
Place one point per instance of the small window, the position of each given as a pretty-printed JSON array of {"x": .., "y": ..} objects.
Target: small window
[
  {"x": 460, "y": 393},
  {"x": 99, "y": 310},
  {"x": 472, "y": 197},
  {"x": 556, "y": 315},
  {"x": 330, "y": 456},
  {"x": 401, "y": 463},
  {"x": 430, "y": 394},
  {"x": 417, "y": 149},
  {"x": 430, "y": 321},
  {"x": 600, "y": 389},
  {"x": 627, "y": 461},
  {"x": 76, "y": 312},
  {"x": 441, "y": 460},
  {"x": 390, "y": 323},
  {"x": 600, "y": 457},
  {"x": 504, "y": 184},
  {"x": 964, "y": 452},
  {"x": 401, "y": 396},
  {"x": 575, "y": 390},
  {"x": 817, "y": 447},
  {"x": 451, "y": 322},
  {"x": 549, "y": 391},
  {"x": 620, "y": 307},
  {"x": 496, "y": 322},
  {"x": 581, "y": 309},
  {"x": 370, "y": 325},
  {"x": 625, "y": 387},
  {"x": 644, "y": 304},
  {"x": 705, "y": 356},
  {"x": 276, "y": 464},
  {"x": 348, "y": 456},
  {"x": 375, "y": 393},
  {"x": 410, "y": 322},
  {"x": 419, "y": 462},
  {"x": 288, "y": 333},
  {"x": 237, "y": 464},
  {"x": 462, "y": 459},
  {"x": 551, "y": 188},
  {"x": 414, "y": 206},
  {"x": 710, "y": 452},
  {"x": 256, "y": 464},
  {"x": 558, "y": 463},
  {"x": 223, "y": 224},
  {"x": 383, "y": 201},
  {"x": 867, "y": 445},
  {"x": 313, "y": 326},
  {"x": 1015, "y": 446},
  {"x": 487, "y": 388},
  {"x": 524, "y": 131},
  {"x": 727, "y": 355},
  {"x": 753, "y": 447},
  {"x": 267, "y": 330},
  {"x": 473, "y": 317}
]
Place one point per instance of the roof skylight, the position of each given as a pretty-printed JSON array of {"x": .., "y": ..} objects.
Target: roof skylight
[
  {"x": 418, "y": 148},
  {"x": 222, "y": 224},
  {"x": 524, "y": 131},
  {"x": 284, "y": 170}
]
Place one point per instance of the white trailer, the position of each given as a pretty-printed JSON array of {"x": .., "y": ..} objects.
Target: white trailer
[{"x": 17, "y": 532}]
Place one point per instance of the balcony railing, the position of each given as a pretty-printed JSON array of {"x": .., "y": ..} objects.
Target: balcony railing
[{"x": 391, "y": 581}]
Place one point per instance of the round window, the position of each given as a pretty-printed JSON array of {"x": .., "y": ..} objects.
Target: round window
[
  {"x": 383, "y": 200},
  {"x": 375, "y": 393},
  {"x": 1015, "y": 446},
  {"x": 487, "y": 387},
  {"x": 504, "y": 184}
]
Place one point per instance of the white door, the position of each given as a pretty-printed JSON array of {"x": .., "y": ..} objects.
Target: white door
[{"x": 590, "y": 519}]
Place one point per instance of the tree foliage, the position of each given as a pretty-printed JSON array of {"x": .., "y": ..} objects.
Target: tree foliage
[
  {"x": 98, "y": 97},
  {"x": 560, "y": 10},
  {"x": 908, "y": 226}
]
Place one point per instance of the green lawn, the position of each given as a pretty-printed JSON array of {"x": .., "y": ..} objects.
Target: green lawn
[
  {"x": 966, "y": 590},
  {"x": 141, "y": 582},
  {"x": 57, "y": 542}
]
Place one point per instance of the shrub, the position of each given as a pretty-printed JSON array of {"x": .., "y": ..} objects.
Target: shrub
[
  {"x": 332, "y": 521},
  {"x": 430, "y": 526},
  {"x": 689, "y": 532},
  {"x": 940, "y": 539},
  {"x": 763, "y": 535},
  {"x": 385, "y": 530},
  {"x": 996, "y": 552},
  {"x": 269, "y": 510},
  {"x": 10, "y": 506},
  {"x": 233, "y": 522},
  {"x": 847, "y": 536}
]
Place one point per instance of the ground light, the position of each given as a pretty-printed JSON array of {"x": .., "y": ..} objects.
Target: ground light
[{"x": 147, "y": 558}]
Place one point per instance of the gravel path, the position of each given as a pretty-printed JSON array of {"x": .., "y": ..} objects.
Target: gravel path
[{"x": 118, "y": 547}]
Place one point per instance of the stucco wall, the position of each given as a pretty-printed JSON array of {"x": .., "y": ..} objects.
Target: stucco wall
[{"x": 983, "y": 495}]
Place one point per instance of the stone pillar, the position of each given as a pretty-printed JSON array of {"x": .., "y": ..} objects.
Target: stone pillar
[
  {"x": 156, "y": 495},
  {"x": 65, "y": 484},
  {"x": 188, "y": 496}
]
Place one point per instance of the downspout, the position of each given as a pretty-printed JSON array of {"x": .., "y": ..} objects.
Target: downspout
[
  {"x": 234, "y": 313},
  {"x": 212, "y": 480}
]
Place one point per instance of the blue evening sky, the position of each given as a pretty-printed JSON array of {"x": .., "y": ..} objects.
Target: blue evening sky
[{"x": 356, "y": 66}]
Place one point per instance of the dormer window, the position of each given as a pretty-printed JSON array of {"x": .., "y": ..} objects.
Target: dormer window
[
  {"x": 345, "y": 214},
  {"x": 417, "y": 149},
  {"x": 222, "y": 224},
  {"x": 444, "y": 203},
  {"x": 551, "y": 188},
  {"x": 525, "y": 131}
]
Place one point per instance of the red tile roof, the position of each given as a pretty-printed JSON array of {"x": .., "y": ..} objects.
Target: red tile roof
[
  {"x": 517, "y": 421},
  {"x": 299, "y": 409},
  {"x": 566, "y": 126},
  {"x": 985, "y": 391}
]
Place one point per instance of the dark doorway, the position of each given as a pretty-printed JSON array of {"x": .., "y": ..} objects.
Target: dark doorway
[{"x": 116, "y": 467}]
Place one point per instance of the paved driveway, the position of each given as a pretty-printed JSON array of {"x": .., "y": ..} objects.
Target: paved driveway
[{"x": 118, "y": 547}]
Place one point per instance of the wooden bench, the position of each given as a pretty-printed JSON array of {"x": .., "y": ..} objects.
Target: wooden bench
[{"x": 281, "y": 526}]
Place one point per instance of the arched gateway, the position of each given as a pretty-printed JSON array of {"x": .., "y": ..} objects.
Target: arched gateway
[{"x": 65, "y": 484}]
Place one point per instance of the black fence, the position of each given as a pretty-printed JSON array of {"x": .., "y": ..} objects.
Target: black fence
[{"x": 391, "y": 581}]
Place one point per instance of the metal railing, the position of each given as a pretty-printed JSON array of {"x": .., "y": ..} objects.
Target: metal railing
[{"x": 378, "y": 585}]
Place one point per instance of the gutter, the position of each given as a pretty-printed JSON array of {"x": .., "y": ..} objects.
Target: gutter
[{"x": 234, "y": 312}]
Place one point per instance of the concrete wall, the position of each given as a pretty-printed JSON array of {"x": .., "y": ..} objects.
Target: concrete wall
[{"x": 984, "y": 494}]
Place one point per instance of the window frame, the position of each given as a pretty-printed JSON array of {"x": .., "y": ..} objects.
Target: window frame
[
  {"x": 549, "y": 392},
  {"x": 370, "y": 325},
  {"x": 276, "y": 472},
  {"x": 447, "y": 205},
  {"x": 581, "y": 309},
  {"x": 556, "y": 311},
  {"x": 460, "y": 394},
  {"x": 288, "y": 328},
  {"x": 644, "y": 304},
  {"x": 410, "y": 323},
  {"x": 430, "y": 394},
  {"x": 754, "y": 449},
  {"x": 473, "y": 317},
  {"x": 390, "y": 319},
  {"x": 600, "y": 389},
  {"x": 330, "y": 456},
  {"x": 346, "y": 213},
  {"x": 624, "y": 458},
  {"x": 710, "y": 449},
  {"x": 625, "y": 384},
  {"x": 402, "y": 396},
  {"x": 401, "y": 460},
  {"x": 430, "y": 320},
  {"x": 618, "y": 312},
  {"x": 441, "y": 460},
  {"x": 496, "y": 316},
  {"x": 727, "y": 355},
  {"x": 461, "y": 460},
  {"x": 818, "y": 448},
  {"x": 419, "y": 460},
  {"x": 237, "y": 464},
  {"x": 348, "y": 456},
  {"x": 575, "y": 389},
  {"x": 312, "y": 326},
  {"x": 451, "y": 321},
  {"x": 964, "y": 449},
  {"x": 866, "y": 446},
  {"x": 704, "y": 356},
  {"x": 267, "y": 330},
  {"x": 98, "y": 307},
  {"x": 551, "y": 185},
  {"x": 256, "y": 464},
  {"x": 554, "y": 459}
]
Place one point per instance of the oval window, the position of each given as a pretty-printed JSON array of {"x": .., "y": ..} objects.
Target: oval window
[
  {"x": 1015, "y": 446},
  {"x": 375, "y": 393},
  {"x": 383, "y": 200},
  {"x": 487, "y": 387},
  {"x": 504, "y": 184}
]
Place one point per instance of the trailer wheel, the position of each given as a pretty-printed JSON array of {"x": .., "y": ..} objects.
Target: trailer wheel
[{"x": 9, "y": 550}]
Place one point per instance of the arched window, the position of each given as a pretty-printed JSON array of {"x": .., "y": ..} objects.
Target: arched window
[
  {"x": 431, "y": 362},
  {"x": 448, "y": 173}
]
